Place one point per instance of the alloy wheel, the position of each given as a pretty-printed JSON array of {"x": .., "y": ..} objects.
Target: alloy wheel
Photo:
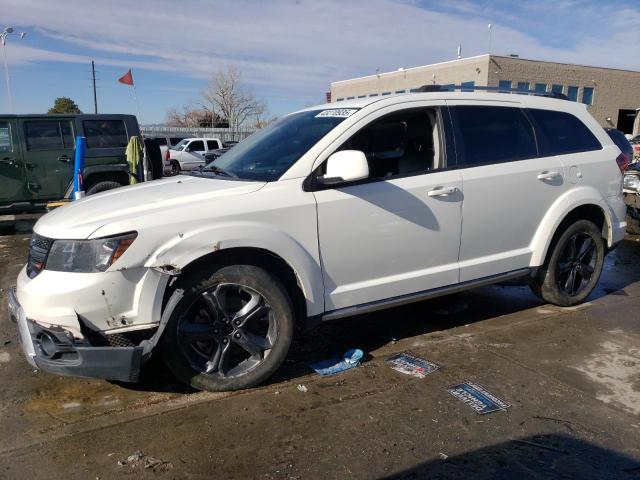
[
  {"x": 577, "y": 264},
  {"x": 227, "y": 331}
]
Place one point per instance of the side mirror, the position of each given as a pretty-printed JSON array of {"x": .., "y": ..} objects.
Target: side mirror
[{"x": 345, "y": 166}]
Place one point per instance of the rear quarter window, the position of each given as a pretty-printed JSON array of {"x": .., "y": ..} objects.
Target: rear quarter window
[
  {"x": 105, "y": 133},
  {"x": 563, "y": 133}
]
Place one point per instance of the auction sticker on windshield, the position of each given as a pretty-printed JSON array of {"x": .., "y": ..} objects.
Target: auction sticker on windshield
[{"x": 337, "y": 112}]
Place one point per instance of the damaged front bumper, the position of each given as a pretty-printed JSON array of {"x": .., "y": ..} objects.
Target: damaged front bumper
[{"x": 55, "y": 350}]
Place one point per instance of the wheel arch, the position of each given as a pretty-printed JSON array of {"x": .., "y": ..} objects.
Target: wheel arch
[
  {"x": 563, "y": 212},
  {"x": 296, "y": 267}
]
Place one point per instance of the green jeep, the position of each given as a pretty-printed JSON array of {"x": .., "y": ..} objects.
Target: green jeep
[{"x": 37, "y": 153}]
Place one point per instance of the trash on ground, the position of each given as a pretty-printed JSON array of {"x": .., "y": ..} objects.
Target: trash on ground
[
  {"x": 477, "y": 397},
  {"x": 443, "y": 456},
  {"x": 337, "y": 364},
  {"x": 303, "y": 388},
  {"x": 414, "y": 366},
  {"x": 138, "y": 458}
]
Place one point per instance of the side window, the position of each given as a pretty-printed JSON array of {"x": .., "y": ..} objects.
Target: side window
[
  {"x": 212, "y": 144},
  {"x": 44, "y": 135},
  {"x": 401, "y": 143},
  {"x": 196, "y": 146},
  {"x": 6, "y": 145},
  {"x": 493, "y": 135},
  {"x": 105, "y": 133},
  {"x": 563, "y": 133},
  {"x": 66, "y": 130}
]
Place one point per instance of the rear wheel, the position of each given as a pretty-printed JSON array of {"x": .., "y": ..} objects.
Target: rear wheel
[
  {"x": 231, "y": 330},
  {"x": 175, "y": 168},
  {"x": 573, "y": 267},
  {"x": 103, "y": 187}
]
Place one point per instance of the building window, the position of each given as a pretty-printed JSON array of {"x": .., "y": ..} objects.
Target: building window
[
  {"x": 350, "y": 98},
  {"x": 557, "y": 88},
  {"x": 362, "y": 96},
  {"x": 386, "y": 93},
  {"x": 400, "y": 91},
  {"x": 339, "y": 99},
  {"x": 504, "y": 86},
  {"x": 541, "y": 87},
  {"x": 587, "y": 95},
  {"x": 373, "y": 94},
  {"x": 572, "y": 93},
  {"x": 523, "y": 86},
  {"x": 467, "y": 84}
]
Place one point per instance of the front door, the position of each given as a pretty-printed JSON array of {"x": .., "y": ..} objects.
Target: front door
[
  {"x": 508, "y": 188},
  {"x": 398, "y": 232},
  {"x": 12, "y": 187},
  {"x": 48, "y": 155},
  {"x": 193, "y": 155}
]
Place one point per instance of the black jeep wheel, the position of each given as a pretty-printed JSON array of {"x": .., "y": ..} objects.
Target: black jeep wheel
[
  {"x": 231, "y": 330},
  {"x": 573, "y": 267},
  {"x": 103, "y": 187}
]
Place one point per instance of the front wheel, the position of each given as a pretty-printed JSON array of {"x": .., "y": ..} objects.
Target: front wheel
[
  {"x": 573, "y": 267},
  {"x": 231, "y": 330}
]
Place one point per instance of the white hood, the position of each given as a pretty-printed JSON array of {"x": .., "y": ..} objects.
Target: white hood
[{"x": 79, "y": 219}]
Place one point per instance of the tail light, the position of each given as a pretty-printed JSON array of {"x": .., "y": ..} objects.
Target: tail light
[
  {"x": 623, "y": 161},
  {"x": 167, "y": 155}
]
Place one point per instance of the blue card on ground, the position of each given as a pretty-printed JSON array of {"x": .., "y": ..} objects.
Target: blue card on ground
[
  {"x": 477, "y": 397},
  {"x": 338, "y": 364},
  {"x": 414, "y": 366}
]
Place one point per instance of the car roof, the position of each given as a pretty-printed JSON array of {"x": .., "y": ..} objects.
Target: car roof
[{"x": 531, "y": 101}]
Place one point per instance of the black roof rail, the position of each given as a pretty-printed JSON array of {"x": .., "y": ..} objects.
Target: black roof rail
[{"x": 450, "y": 88}]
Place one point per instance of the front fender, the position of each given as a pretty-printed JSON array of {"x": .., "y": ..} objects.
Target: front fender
[
  {"x": 558, "y": 212},
  {"x": 187, "y": 247}
]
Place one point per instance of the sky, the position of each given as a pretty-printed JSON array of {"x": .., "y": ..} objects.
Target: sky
[{"x": 289, "y": 51}]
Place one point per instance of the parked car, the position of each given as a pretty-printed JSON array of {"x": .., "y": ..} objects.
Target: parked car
[
  {"x": 332, "y": 211},
  {"x": 622, "y": 142},
  {"x": 212, "y": 155},
  {"x": 165, "y": 144},
  {"x": 36, "y": 156},
  {"x": 632, "y": 198},
  {"x": 189, "y": 153}
]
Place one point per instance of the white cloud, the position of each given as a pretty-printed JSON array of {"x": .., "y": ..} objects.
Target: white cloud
[{"x": 298, "y": 47}]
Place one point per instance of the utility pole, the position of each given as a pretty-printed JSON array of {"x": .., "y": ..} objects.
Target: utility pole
[
  {"x": 95, "y": 95},
  {"x": 3, "y": 39}
]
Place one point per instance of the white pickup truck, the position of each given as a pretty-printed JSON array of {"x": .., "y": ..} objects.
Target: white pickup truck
[{"x": 189, "y": 154}]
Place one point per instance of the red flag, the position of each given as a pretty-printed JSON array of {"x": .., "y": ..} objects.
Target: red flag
[{"x": 127, "y": 78}]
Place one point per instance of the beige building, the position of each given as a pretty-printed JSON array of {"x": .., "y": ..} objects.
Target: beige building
[{"x": 612, "y": 95}]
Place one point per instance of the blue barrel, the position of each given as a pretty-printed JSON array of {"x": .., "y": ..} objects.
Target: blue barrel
[{"x": 78, "y": 168}]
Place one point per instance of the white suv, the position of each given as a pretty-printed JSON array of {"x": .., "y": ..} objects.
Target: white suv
[
  {"x": 189, "y": 154},
  {"x": 331, "y": 211}
]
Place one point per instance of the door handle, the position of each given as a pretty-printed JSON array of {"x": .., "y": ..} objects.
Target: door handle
[
  {"x": 64, "y": 159},
  {"x": 442, "y": 191},
  {"x": 548, "y": 175}
]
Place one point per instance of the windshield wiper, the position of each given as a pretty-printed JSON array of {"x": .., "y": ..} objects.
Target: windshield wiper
[{"x": 219, "y": 171}]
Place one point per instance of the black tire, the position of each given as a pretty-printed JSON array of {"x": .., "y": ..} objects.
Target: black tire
[
  {"x": 175, "y": 168},
  {"x": 580, "y": 252},
  {"x": 206, "y": 347},
  {"x": 103, "y": 187}
]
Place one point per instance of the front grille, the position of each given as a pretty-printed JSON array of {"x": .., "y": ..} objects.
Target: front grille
[{"x": 38, "y": 250}]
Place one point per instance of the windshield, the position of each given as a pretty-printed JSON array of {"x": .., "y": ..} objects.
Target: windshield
[
  {"x": 268, "y": 153},
  {"x": 181, "y": 144}
]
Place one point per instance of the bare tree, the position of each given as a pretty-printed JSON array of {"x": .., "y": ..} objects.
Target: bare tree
[
  {"x": 230, "y": 99},
  {"x": 190, "y": 116}
]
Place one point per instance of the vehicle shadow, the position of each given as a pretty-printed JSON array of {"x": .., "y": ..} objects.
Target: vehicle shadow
[
  {"x": 372, "y": 331},
  {"x": 547, "y": 456}
]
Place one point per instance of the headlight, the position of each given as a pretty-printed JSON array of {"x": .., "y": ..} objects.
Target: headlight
[
  {"x": 632, "y": 182},
  {"x": 87, "y": 256}
]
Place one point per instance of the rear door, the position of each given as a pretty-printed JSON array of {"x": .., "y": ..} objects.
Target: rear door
[
  {"x": 193, "y": 155},
  {"x": 48, "y": 155},
  {"x": 213, "y": 145},
  {"x": 508, "y": 187},
  {"x": 107, "y": 138},
  {"x": 12, "y": 184}
]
